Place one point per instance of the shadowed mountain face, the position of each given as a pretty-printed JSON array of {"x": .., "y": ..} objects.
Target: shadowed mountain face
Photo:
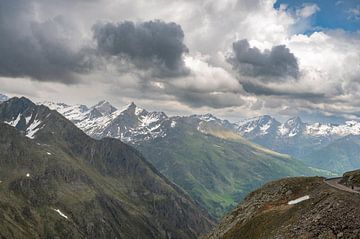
[
  {"x": 55, "y": 181},
  {"x": 204, "y": 155},
  {"x": 294, "y": 208}
]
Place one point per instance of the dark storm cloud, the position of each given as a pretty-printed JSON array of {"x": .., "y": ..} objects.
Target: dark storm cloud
[
  {"x": 37, "y": 50},
  {"x": 153, "y": 45},
  {"x": 198, "y": 99},
  {"x": 258, "y": 89},
  {"x": 269, "y": 65}
]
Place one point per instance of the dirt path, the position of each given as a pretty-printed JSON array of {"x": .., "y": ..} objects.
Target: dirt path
[{"x": 334, "y": 182}]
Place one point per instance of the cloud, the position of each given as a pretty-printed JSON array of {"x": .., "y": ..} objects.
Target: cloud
[
  {"x": 270, "y": 65},
  {"x": 307, "y": 10},
  {"x": 53, "y": 41},
  {"x": 40, "y": 50},
  {"x": 153, "y": 45},
  {"x": 206, "y": 85},
  {"x": 264, "y": 90},
  {"x": 354, "y": 13}
]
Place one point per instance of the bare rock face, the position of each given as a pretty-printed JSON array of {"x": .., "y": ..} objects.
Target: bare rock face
[{"x": 266, "y": 213}]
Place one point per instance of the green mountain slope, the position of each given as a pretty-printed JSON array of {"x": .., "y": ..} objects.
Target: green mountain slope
[
  {"x": 64, "y": 184},
  {"x": 340, "y": 156},
  {"x": 216, "y": 166}
]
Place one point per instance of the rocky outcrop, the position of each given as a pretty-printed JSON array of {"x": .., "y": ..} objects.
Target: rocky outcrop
[{"x": 266, "y": 213}]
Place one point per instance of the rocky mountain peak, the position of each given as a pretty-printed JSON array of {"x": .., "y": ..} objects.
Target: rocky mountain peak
[
  {"x": 3, "y": 98},
  {"x": 133, "y": 109},
  {"x": 265, "y": 119},
  {"x": 104, "y": 107},
  {"x": 295, "y": 121}
]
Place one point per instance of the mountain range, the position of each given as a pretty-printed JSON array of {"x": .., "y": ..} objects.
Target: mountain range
[
  {"x": 57, "y": 182},
  {"x": 303, "y": 141},
  {"x": 331, "y": 147},
  {"x": 204, "y": 155}
]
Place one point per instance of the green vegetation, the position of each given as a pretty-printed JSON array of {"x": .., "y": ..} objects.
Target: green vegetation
[
  {"x": 340, "y": 156},
  {"x": 218, "y": 168}
]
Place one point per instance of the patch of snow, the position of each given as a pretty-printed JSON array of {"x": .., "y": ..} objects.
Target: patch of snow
[
  {"x": 207, "y": 117},
  {"x": 27, "y": 119},
  {"x": 60, "y": 213},
  {"x": 173, "y": 124},
  {"x": 13, "y": 123},
  {"x": 298, "y": 200},
  {"x": 138, "y": 110},
  {"x": 148, "y": 119},
  {"x": 283, "y": 130},
  {"x": 264, "y": 128},
  {"x": 293, "y": 133},
  {"x": 48, "y": 153},
  {"x": 32, "y": 129}
]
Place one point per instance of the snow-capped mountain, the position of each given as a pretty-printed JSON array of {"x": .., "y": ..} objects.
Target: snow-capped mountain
[
  {"x": 130, "y": 124},
  {"x": 24, "y": 115},
  {"x": 104, "y": 107},
  {"x": 133, "y": 125},
  {"x": 294, "y": 137},
  {"x": 3, "y": 98},
  {"x": 266, "y": 125},
  {"x": 263, "y": 125}
]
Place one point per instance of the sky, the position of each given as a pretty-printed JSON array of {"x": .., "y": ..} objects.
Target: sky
[{"x": 233, "y": 58}]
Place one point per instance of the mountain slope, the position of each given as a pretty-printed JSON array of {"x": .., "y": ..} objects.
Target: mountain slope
[
  {"x": 204, "y": 155},
  {"x": 340, "y": 156},
  {"x": 325, "y": 212},
  {"x": 214, "y": 165},
  {"x": 58, "y": 182}
]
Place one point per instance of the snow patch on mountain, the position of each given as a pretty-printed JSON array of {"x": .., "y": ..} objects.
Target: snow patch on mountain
[
  {"x": 33, "y": 128},
  {"x": 14, "y": 122}
]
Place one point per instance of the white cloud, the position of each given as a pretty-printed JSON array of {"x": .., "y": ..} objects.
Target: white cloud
[
  {"x": 354, "y": 13},
  {"x": 328, "y": 61},
  {"x": 307, "y": 10}
]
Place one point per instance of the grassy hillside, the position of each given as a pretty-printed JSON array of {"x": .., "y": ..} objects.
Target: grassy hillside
[
  {"x": 340, "y": 156},
  {"x": 215, "y": 166}
]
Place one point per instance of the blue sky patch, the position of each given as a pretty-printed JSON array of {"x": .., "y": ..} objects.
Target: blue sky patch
[{"x": 333, "y": 14}]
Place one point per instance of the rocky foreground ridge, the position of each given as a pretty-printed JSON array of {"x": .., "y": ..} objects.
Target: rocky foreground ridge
[{"x": 295, "y": 208}]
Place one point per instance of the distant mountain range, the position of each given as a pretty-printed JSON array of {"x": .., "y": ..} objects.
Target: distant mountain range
[
  {"x": 331, "y": 147},
  {"x": 300, "y": 140},
  {"x": 57, "y": 182},
  {"x": 203, "y": 154}
]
